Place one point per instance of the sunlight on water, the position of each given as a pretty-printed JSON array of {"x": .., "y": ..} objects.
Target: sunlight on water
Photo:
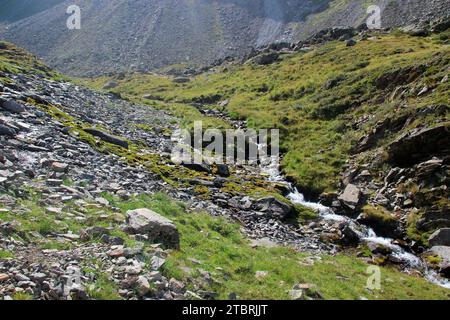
[{"x": 409, "y": 260}]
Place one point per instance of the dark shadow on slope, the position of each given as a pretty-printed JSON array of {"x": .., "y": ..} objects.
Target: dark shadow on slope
[
  {"x": 15, "y": 10},
  {"x": 281, "y": 10}
]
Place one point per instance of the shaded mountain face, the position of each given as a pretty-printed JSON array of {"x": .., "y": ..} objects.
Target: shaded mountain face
[
  {"x": 14, "y": 10},
  {"x": 118, "y": 35}
]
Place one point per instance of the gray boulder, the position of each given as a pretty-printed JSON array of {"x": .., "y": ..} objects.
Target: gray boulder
[
  {"x": 154, "y": 226},
  {"x": 350, "y": 43},
  {"x": 268, "y": 58},
  {"x": 425, "y": 169},
  {"x": 440, "y": 238},
  {"x": 274, "y": 207},
  {"x": 223, "y": 170},
  {"x": 142, "y": 286},
  {"x": 13, "y": 106},
  {"x": 350, "y": 235}
]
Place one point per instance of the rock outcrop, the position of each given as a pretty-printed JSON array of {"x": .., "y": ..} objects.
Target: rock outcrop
[
  {"x": 154, "y": 226},
  {"x": 443, "y": 255},
  {"x": 419, "y": 144},
  {"x": 107, "y": 137},
  {"x": 274, "y": 208}
]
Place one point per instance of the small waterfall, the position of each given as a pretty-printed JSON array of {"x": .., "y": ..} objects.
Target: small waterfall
[{"x": 409, "y": 260}]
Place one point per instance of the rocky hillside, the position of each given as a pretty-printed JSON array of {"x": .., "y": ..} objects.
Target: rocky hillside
[
  {"x": 13, "y": 10},
  {"x": 91, "y": 207},
  {"x": 143, "y": 35}
]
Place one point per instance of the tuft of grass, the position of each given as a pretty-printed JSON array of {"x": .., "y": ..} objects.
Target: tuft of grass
[{"x": 378, "y": 214}]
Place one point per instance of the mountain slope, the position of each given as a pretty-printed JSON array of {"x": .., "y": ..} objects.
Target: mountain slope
[
  {"x": 14, "y": 10},
  {"x": 143, "y": 35}
]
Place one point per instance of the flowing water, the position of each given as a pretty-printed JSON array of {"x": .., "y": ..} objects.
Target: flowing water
[{"x": 408, "y": 260}]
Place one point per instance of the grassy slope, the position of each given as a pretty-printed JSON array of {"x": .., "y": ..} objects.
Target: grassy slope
[
  {"x": 291, "y": 95},
  {"x": 223, "y": 252}
]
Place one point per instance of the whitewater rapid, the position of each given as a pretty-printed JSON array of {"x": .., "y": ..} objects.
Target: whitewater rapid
[{"x": 366, "y": 234}]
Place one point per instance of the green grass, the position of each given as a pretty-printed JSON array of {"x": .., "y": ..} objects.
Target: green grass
[
  {"x": 232, "y": 262},
  {"x": 226, "y": 254},
  {"x": 22, "y": 296},
  {"x": 6, "y": 254},
  {"x": 15, "y": 60},
  {"x": 315, "y": 120},
  {"x": 103, "y": 289}
]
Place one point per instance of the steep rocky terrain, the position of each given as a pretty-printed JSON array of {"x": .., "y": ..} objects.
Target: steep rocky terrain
[
  {"x": 144, "y": 35},
  {"x": 81, "y": 172}
]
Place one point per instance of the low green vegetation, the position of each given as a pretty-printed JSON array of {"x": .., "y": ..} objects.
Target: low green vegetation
[
  {"x": 103, "y": 289},
  {"x": 378, "y": 214},
  {"x": 22, "y": 296},
  {"x": 6, "y": 254},
  {"x": 217, "y": 246}
]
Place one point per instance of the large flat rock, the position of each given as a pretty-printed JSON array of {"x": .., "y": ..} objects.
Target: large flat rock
[{"x": 158, "y": 228}]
